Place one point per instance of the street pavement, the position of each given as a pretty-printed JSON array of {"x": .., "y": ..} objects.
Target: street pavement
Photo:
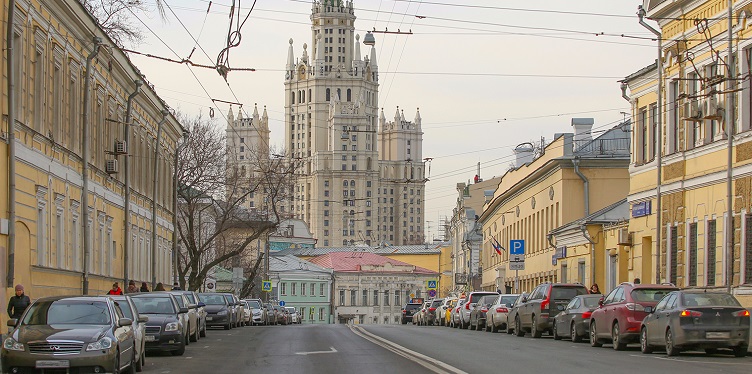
[{"x": 363, "y": 349}]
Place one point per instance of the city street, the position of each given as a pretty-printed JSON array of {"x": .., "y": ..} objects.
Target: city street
[{"x": 337, "y": 349}]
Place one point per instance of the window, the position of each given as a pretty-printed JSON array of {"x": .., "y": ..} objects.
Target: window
[
  {"x": 375, "y": 297},
  {"x": 653, "y": 129},
  {"x": 352, "y": 297},
  {"x": 642, "y": 123},
  {"x": 673, "y": 253},
  {"x": 748, "y": 249},
  {"x": 313, "y": 289},
  {"x": 386, "y": 299},
  {"x": 302, "y": 289},
  {"x": 365, "y": 297},
  {"x": 302, "y": 313},
  {"x": 41, "y": 226},
  {"x": 342, "y": 297},
  {"x": 284, "y": 288},
  {"x": 321, "y": 290},
  {"x": 321, "y": 314},
  {"x": 397, "y": 298},
  {"x": 674, "y": 121},
  {"x": 692, "y": 261},
  {"x": 711, "y": 256}
]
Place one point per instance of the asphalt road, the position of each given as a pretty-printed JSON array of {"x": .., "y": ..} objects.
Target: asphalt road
[
  {"x": 283, "y": 349},
  {"x": 331, "y": 349}
]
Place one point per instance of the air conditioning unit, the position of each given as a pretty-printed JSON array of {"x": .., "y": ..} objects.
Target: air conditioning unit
[
  {"x": 111, "y": 166},
  {"x": 693, "y": 111},
  {"x": 713, "y": 108},
  {"x": 625, "y": 237},
  {"x": 120, "y": 147}
]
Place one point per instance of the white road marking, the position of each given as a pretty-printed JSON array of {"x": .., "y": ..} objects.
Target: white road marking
[
  {"x": 316, "y": 352},
  {"x": 206, "y": 346},
  {"x": 694, "y": 361}
]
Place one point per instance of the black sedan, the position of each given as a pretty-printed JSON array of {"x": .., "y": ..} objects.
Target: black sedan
[
  {"x": 70, "y": 334},
  {"x": 218, "y": 310},
  {"x": 694, "y": 319},
  {"x": 573, "y": 321},
  {"x": 165, "y": 330}
]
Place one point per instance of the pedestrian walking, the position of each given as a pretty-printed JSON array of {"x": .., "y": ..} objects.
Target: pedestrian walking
[
  {"x": 160, "y": 287},
  {"x": 594, "y": 289},
  {"x": 132, "y": 287},
  {"x": 18, "y": 303},
  {"x": 144, "y": 287},
  {"x": 636, "y": 281},
  {"x": 176, "y": 287},
  {"x": 115, "y": 290}
]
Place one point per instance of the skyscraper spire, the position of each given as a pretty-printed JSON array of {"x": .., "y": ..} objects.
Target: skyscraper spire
[
  {"x": 290, "y": 57},
  {"x": 230, "y": 116}
]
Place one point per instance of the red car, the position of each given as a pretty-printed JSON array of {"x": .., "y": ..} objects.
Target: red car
[{"x": 619, "y": 315}]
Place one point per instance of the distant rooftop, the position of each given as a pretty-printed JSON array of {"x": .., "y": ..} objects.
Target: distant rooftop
[
  {"x": 366, "y": 262},
  {"x": 418, "y": 249}
]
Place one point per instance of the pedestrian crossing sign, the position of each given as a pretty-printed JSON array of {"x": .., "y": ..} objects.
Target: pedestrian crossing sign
[
  {"x": 432, "y": 285},
  {"x": 266, "y": 286}
]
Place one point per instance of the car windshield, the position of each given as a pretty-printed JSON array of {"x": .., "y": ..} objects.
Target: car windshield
[
  {"x": 508, "y": 299},
  {"x": 436, "y": 303},
  {"x": 649, "y": 294},
  {"x": 76, "y": 312},
  {"x": 412, "y": 306},
  {"x": 709, "y": 299},
  {"x": 254, "y": 304},
  {"x": 474, "y": 298},
  {"x": 154, "y": 305},
  {"x": 591, "y": 302},
  {"x": 191, "y": 298},
  {"x": 567, "y": 293},
  {"x": 180, "y": 301},
  {"x": 229, "y": 299},
  {"x": 211, "y": 299}
]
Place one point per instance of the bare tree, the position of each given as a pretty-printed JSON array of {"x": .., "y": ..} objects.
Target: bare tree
[
  {"x": 216, "y": 225},
  {"x": 115, "y": 17}
]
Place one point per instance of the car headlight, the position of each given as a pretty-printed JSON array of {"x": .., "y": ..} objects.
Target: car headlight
[
  {"x": 12, "y": 345},
  {"x": 172, "y": 326},
  {"x": 222, "y": 312},
  {"x": 104, "y": 343}
]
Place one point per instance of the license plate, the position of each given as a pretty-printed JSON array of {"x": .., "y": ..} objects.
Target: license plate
[
  {"x": 150, "y": 338},
  {"x": 208, "y": 318},
  {"x": 717, "y": 335},
  {"x": 52, "y": 364}
]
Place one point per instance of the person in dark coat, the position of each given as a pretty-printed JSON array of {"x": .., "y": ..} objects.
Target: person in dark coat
[
  {"x": 18, "y": 303},
  {"x": 144, "y": 287},
  {"x": 176, "y": 287},
  {"x": 132, "y": 287},
  {"x": 160, "y": 287}
]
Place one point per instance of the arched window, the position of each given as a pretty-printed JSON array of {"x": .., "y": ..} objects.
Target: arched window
[
  {"x": 310, "y": 97},
  {"x": 328, "y": 94},
  {"x": 349, "y": 94},
  {"x": 292, "y": 97},
  {"x": 345, "y": 183},
  {"x": 339, "y": 94},
  {"x": 412, "y": 173},
  {"x": 352, "y": 183},
  {"x": 303, "y": 101},
  {"x": 352, "y": 212},
  {"x": 344, "y": 242},
  {"x": 368, "y": 163}
]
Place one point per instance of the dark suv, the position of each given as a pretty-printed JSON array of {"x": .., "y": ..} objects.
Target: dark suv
[
  {"x": 620, "y": 313},
  {"x": 409, "y": 310},
  {"x": 536, "y": 312}
]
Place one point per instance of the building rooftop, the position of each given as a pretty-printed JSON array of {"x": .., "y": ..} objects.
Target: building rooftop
[
  {"x": 292, "y": 263},
  {"x": 356, "y": 262},
  {"x": 418, "y": 249}
]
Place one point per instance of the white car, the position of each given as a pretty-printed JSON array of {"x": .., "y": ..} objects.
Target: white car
[
  {"x": 258, "y": 313},
  {"x": 496, "y": 317},
  {"x": 441, "y": 310},
  {"x": 470, "y": 302},
  {"x": 139, "y": 326},
  {"x": 294, "y": 317}
]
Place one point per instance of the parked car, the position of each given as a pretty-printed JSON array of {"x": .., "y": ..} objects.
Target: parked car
[
  {"x": 442, "y": 313},
  {"x": 218, "y": 310},
  {"x": 271, "y": 314},
  {"x": 166, "y": 330},
  {"x": 478, "y": 312},
  {"x": 619, "y": 317},
  {"x": 293, "y": 313},
  {"x": 573, "y": 321},
  {"x": 454, "y": 317},
  {"x": 281, "y": 315},
  {"x": 258, "y": 312},
  {"x": 192, "y": 319},
  {"x": 420, "y": 315},
  {"x": 536, "y": 313},
  {"x": 496, "y": 316},
  {"x": 512, "y": 314},
  {"x": 64, "y": 333},
  {"x": 233, "y": 306},
  {"x": 471, "y": 300},
  {"x": 694, "y": 319},
  {"x": 431, "y": 317},
  {"x": 408, "y": 311},
  {"x": 128, "y": 308},
  {"x": 240, "y": 310},
  {"x": 200, "y": 309}
]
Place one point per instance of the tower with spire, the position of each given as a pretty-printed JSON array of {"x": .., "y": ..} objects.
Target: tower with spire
[{"x": 348, "y": 190}]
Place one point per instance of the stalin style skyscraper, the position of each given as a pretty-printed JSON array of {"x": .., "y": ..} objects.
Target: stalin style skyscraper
[{"x": 362, "y": 178}]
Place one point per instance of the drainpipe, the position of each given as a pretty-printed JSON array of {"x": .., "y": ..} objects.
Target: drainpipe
[
  {"x": 586, "y": 235},
  {"x": 585, "y": 183},
  {"x": 658, "y": 143},
  {"x": 127, "y": 209},
  {"x": 730, "y": 122},
  {"x": 165, "y": 113},
  {"x": 11, "y": 146},
  {"x": 85, "y": 168},
  {"x": 175, "y": 208}
]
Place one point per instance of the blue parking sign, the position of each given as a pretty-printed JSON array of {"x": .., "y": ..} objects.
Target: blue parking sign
[{"x": 516, "y": 247}]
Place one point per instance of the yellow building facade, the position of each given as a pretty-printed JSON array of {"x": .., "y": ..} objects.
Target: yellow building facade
[
  {"x": 696, "y": 90},
  {"x": 546, "y": 190},
  {"x": 51, "y": 42}
]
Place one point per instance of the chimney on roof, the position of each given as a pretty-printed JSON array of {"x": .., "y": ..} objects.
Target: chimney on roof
[
  {"x": 523, "y": 154},
  {"x": 488, "y": 195},
  {"x": 583, "y": 128}
]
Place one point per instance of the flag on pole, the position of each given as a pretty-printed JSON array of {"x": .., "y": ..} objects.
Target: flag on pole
[{"x": 496, "y": 246}]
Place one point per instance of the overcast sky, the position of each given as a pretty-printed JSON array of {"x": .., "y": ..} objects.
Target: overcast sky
[{"x": 486, "y": 74}]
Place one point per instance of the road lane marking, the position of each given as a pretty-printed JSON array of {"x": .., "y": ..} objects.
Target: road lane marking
[
  {"x": 429, "y": 363},
  {"x": 332, "y": 350},
  {"x": 693, "y": 361}
]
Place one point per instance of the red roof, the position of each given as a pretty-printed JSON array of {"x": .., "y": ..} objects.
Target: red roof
[{"x": 354, "y": 261}]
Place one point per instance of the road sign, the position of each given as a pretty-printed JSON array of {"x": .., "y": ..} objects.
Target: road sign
[
  {"x": 517, "y": 265},
  {"x": 432, "y": 285},
  {"x": 431, "y": 293},
  {"x": 266, "y": 286},
  {"x": 516, "y": 250},
  {"x": 281, "y": 303}
]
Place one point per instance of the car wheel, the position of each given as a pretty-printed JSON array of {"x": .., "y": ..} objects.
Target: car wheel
[
  {"x": 227, "y": 326},
  {"x": 179, "y": 351},
  {"x": 573, "y": 334},
  {"x": 616, "y": 341},
  {"x": 594, "y": 342},
  {"x": 490, "y": 326},
  {"x": 711, "y": 351},
  {"x": 203, "y": 331},
  {"x": 644, "y": 345},
  {"x": 740, "y": 351},
  {"x": 671, "y": 349},
  {"x": 195, "y": 337},
  {"x": 140, "y": 362},
  {"x": 534, "y": 329},
  {"x": 518, "y": 327},
  {"x": 555, "y": 332}
]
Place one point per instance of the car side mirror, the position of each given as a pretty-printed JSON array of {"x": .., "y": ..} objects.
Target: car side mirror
[
  {"x": 600, "y": 301},
  {"x": 12, "y": 322},
  {"x": 125, "y": 322},
  {"x": 143, "y": 319},
  {"x": 192, "y": 306},
  {"x": 649, "y": 309},
  {"x": 201, "y": 304},
  {"x": 524, "y": 299},
  {"x": 183, "y": 310}
]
